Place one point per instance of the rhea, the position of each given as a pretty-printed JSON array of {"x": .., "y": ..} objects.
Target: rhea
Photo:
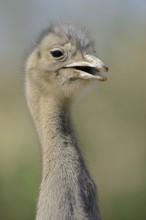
[{"x": 60, "y": 66}]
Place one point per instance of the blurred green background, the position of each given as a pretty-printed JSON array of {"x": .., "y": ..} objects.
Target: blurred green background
[{"x": 110, "y": 117}]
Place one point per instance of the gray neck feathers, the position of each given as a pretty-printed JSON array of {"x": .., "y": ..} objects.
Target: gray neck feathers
[{"x": 67, "y": 191}]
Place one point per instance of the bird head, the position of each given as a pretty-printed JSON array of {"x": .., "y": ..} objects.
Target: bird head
[{"x": 64, "y": 60}]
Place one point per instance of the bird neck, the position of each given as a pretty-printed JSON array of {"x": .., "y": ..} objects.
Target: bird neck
[
  {"x": 67, "y": 189},
  {"x": 51, "y": 115},
  {"x": 54, "y": 127}
]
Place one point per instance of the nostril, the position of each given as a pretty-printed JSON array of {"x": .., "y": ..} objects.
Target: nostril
[{"x": 106, "y": 68}]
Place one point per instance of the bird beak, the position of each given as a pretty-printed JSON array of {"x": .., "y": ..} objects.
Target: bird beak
[{"x": 91, "y": 68}]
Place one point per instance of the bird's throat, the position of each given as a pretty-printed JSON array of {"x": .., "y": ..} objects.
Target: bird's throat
[
  {"x": 54, "y": 128},
  {"x": 65, "y": 176}
]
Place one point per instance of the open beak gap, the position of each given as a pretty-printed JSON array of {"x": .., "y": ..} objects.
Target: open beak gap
[{"x": 90, "y": 69}]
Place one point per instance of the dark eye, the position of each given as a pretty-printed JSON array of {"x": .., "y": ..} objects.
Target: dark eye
[{"x": 57, "y": 53}]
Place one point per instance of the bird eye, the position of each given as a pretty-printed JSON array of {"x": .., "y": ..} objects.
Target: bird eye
[{"x": 57, "y": 53}]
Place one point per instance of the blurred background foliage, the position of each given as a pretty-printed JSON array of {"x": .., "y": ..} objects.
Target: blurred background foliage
[{"x": 110, "y": 117}]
